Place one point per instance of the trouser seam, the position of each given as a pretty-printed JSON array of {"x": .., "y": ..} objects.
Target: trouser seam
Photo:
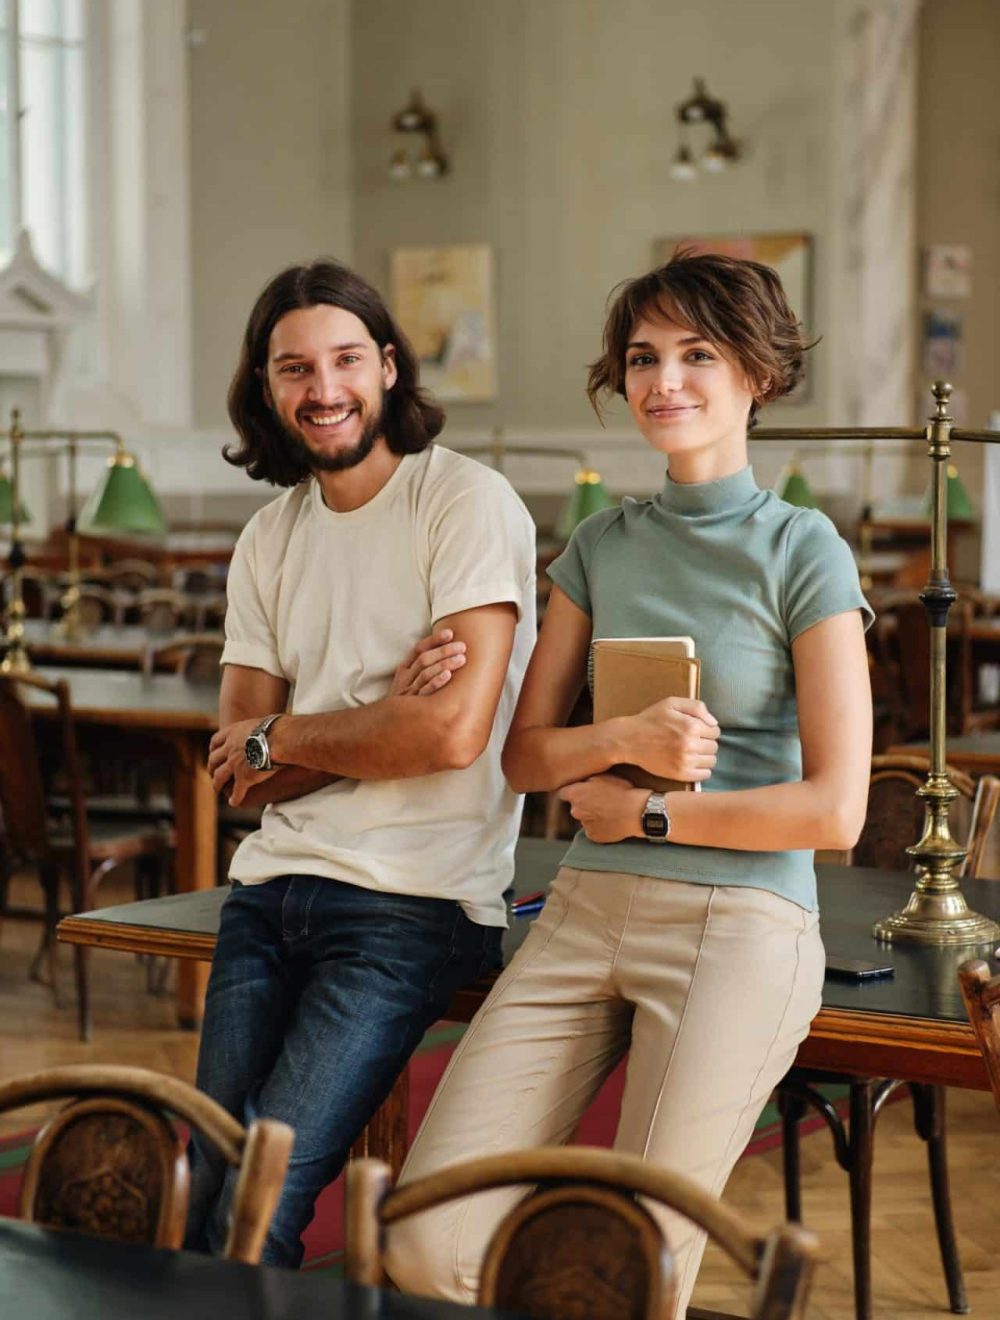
[
  {"x": 651, "y": 1122},
  {"x": 498, "y": 1134}
]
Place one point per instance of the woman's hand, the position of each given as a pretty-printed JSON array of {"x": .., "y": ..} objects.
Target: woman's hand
[
  {"x": 608, "y": 808},
  {"x": 429, "y": 666},
  {"x": 677, "y": 738}
]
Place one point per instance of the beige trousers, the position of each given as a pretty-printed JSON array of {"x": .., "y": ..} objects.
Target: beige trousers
[{"x": 709, "y": 989}]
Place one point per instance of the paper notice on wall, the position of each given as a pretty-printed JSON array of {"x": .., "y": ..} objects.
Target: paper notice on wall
[{"x": 990, "y": 568}]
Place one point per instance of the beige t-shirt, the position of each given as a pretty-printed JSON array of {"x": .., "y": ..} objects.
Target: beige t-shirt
[{"x": 333, "y": 602}]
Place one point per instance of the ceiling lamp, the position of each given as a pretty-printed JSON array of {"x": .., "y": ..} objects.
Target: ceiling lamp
[{"x": 722, "y": 150}]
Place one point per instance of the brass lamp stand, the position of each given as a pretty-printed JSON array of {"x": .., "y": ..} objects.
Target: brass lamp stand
[
  {"x": 122, "y": 502},
  {"x": 937, "y": 913}
]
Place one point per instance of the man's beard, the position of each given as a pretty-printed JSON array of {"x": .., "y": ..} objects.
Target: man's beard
[{"x": 344, "y": 458}]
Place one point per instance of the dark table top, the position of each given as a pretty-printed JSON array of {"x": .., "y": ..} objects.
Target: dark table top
[
  {"x": 46, "y": 1275},
  {"x": 108, "y": 644},
  {"x": 851, "y": 899},
  {"x": 129, "y": 699}
]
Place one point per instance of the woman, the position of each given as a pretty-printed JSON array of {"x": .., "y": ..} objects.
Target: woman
[{"x": 699, "y": 954}]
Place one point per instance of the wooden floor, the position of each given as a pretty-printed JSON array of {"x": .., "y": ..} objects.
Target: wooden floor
[{"x": 133, "y": 1027}]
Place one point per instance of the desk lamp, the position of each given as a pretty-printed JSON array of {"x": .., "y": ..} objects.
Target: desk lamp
[
  {"x": 122, "y": 502},
  {"x": 936, "y": 913},
  {"x": 589, "y": 494}
]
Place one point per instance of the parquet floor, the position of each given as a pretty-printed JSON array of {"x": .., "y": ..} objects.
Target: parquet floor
[{"x": 133, "y": 1027}]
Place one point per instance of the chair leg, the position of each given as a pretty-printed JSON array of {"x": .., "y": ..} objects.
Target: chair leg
[
  {"x": 80, "y": 958},
  {"x": 791, "y": 1109},
  {"x": 929, "y": 1121},
  {"x": 862, "y": 1120}
]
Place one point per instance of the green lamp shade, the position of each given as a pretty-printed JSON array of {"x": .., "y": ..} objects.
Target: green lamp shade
[
  {"x": 122, "y": 502},
  {"x": 7, "y": 503},
  {"x": 793, "y": 488},
  {"x": 589, "y": 496},
  {"x": 956, "y": 496}
]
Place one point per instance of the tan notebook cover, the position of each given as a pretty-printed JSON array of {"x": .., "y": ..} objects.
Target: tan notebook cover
[{"x": 630, "y": 674}]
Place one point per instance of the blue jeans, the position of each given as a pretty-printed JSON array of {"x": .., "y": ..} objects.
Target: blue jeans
[{"x": 319, "y": 993}]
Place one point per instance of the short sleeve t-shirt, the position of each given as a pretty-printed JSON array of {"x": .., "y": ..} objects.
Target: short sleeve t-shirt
[
  {"x": 743, "y": 573},
  {"x": 333, "y": 602}
]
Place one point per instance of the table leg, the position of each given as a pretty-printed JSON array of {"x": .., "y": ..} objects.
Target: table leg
[{"x": 197, "y": 825}]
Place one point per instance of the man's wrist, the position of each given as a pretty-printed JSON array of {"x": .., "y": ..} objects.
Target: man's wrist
[{"x": 278, "y": 742}]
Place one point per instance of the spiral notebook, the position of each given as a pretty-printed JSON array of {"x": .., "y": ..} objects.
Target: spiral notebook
[{"x": 630, "y": 673}]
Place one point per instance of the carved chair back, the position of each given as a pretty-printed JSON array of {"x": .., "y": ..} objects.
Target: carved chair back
[
  {"x": 113, "y": 1165},
  {"x": 895, "y": 816},
  {"x": 581, "y": 1244},
  {"x": 981, "y": 994}
]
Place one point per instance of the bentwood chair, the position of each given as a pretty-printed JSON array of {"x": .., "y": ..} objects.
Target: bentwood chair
[
  {"x": 112, "y": 1164},
  {"x": 57, "y": 838},
  {"x": 981, "y": 995},
  {"x": 580, "y": 1244},
  {"x": 894, "y": 820}
]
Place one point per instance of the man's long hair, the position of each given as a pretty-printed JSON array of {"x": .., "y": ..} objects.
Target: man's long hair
[{"x": 412, "y": 420}]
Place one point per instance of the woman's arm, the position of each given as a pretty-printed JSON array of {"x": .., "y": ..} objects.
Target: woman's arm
[
  {"x": 825, "y": 809},
  {"x": 675, "y": 738}
]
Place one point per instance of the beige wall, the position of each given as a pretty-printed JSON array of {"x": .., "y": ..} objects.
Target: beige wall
[
  {"x": 558, "y": 116},
  {"x": 958, "y": 186},
  {"x": 269, "y": 159}
]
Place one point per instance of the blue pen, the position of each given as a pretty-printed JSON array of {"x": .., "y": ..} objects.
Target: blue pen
[{"x": 529, "y": 909}]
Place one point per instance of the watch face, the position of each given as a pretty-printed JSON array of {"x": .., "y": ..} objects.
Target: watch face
[
  {"x": 654, "y": 825},
  {"x": 254, "y": 751}
]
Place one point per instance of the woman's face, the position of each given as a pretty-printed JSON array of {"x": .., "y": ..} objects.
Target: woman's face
[{"x": 689, "y": 400}]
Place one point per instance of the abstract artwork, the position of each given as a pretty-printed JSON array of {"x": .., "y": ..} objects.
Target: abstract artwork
[
  {"x": 789, "y": 254},
  {"x": 443, "y": 300}
]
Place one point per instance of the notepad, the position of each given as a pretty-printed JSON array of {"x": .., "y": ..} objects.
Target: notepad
[{"x": 630, "y": 673}]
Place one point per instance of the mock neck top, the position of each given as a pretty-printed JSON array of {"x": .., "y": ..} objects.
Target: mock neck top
[
  {"x": 707, "y": 497},
  {"x": 743, "y": 574}
]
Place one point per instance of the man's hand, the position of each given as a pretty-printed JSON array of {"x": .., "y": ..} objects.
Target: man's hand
[
  {"x": 227, "y": 762},
  {"x": 427, "y": 669},
  {"x": 429, "y": 666},
  {"x": 676, "y": 738},
  {"x": 608, "y": 808}
]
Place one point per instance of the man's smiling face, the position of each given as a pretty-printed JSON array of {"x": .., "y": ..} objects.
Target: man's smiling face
[{"x": 326, "y": 383}]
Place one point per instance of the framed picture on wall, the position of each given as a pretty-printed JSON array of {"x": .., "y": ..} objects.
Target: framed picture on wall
[
  {"x": 443, "y": 298},
  {"x": 788, "y": 254}
]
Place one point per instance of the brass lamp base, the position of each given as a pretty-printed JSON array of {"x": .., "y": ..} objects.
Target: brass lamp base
[{"x": 936, "y": 919}]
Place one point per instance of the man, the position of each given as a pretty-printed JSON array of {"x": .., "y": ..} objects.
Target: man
[{"x": 372, "y": 890}]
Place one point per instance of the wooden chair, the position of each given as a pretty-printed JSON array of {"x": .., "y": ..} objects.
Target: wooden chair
[
  {"x": 158, "y": 609},
  {"x": 71, "y": 846},
  {"x": 196, "y": 657},
  {"x": 97, "y": 605},
  {"x": 981, "y": 994},
  {"x": 894, "y": 820},
  {"x": 132, "y": 575},
  {"x": 581, "y": 1244},
  {"x": 975, "y": 714},
  {"x": 111, "y": 1163}
]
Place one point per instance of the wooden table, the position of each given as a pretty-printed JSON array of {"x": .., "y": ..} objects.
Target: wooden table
[
  {"x": 977, "y": 753},
  {"x": 912, "y": 1025},
  {"x": 110, "y": 645},
  {"x": 47, "y": 1275},
  {"x": 183, "y": 715}
]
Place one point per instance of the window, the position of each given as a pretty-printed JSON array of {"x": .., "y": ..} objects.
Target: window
[{"x": 42, "y": 149}]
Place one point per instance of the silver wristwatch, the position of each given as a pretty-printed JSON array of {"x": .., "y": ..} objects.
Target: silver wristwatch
[
  {"x": 655, "y": 820},
  {"x": 256, "y": 749}
]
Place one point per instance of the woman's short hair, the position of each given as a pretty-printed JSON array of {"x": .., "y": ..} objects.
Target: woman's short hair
[
  {"x": 737, "y": 305},
  {"x": 412, "y": 420}
]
